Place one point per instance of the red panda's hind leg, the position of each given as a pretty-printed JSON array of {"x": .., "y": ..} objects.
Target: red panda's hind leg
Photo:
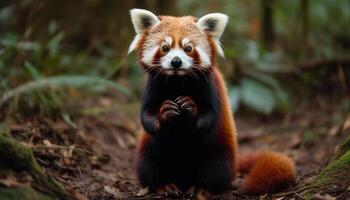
[
  {"x": 216, "y": 174},
  {"x": 148, "y": 172}
]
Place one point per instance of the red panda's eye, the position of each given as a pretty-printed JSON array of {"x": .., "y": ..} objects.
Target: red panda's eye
[
  {"x": 165, "y": 48},
  {"x": 188, "y": 49}
]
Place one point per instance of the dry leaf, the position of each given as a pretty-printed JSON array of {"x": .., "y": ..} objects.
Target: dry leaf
[
  {"x": 46, "y": 142},
  {"x": 143, "y": 192},
  {"x": 346, "y": 125},
  {"x": 294, "y": 141},
  {"x": 114, "y": 191},
  {"x": 9, "y": 181},
  {"x": 333, "y": 131},
  {"x": 280, "y": 198},
  {"x": 322, "y": 197}
]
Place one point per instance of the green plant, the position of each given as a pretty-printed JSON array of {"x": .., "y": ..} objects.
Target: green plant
[
  {"x": 257, "y": 86},
  {"x": 46, "y": 94}
]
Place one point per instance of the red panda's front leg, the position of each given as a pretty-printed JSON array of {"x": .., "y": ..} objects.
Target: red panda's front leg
[
  {"x": 156, "y": 119},
  {"x": 169, "y": 112},
  {"x": 187, "y": 106}
]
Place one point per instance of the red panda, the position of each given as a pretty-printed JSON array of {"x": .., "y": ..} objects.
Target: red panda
[{"x": 189, "y": 137}]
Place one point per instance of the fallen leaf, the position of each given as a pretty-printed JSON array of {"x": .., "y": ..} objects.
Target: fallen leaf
[
  {"x": 294, "y": 141},
  {"x": 9, "y": 181},
  {"x": 46, "y": 142},
  {"x": 322, "y": 197},
  {"x": 114, "y": 191},
  {"x": 280, "y": 198},
  {"x": 333, "y": 131},
  {"x": 346, "y": 125},
  {"x": 143, "y": 192}
]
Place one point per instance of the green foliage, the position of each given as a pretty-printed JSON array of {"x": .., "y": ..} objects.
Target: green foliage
[
  {"x": 96, "y": 46},
  {"x": 47, "y": 93},
  {"x": 257, "y": 88},
  {"x": 258, "y": 96},
  {"x": 29, "y": 66}
]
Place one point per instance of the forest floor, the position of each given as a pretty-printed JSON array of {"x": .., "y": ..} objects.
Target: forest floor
[{"x": 93, "y": 153}]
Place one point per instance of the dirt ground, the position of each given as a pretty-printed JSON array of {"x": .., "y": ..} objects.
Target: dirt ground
[{"x": 93, "y": 152}]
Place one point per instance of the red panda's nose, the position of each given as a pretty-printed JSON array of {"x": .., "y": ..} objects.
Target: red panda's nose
[{"x": 176, "y": 62}]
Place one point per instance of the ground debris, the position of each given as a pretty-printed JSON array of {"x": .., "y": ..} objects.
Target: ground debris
[{"x": 95, "y": 158}]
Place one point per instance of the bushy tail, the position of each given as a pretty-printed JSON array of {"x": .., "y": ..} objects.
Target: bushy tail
[{"x": 267, "y": 172}]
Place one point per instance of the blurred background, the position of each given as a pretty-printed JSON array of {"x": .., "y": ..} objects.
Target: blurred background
[
  {"x": 278, "y": 53},
  {"x": 70, "y": 93}
]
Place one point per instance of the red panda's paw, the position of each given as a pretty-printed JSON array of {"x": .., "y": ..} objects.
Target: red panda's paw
[
  {"x": 168, "y": 190},
  {"x": 187, "y": 105},
  {"x": 198, "y": 193},
  {"x": 169, "y": 111}
]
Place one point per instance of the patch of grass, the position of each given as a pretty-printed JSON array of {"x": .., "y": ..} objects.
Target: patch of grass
[{"x": 46, "y": 93}]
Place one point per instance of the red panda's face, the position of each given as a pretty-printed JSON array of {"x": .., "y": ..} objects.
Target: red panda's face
[{"x": 176, "y": 45}]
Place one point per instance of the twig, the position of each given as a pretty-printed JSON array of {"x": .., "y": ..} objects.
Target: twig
[
  {"x": 293, "y": 191},
  {"x": 62, "y": 147}
]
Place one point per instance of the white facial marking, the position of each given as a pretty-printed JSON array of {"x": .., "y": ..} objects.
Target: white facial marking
[
  {"x": 185, "y": 41},
  {"x": 134, "y": 43},
  {"x": 148, "y": 55},
  {"x": 187, "y": 61},
  {"x": 204, "y": 58},
  {"x": 168, "y": 40}
]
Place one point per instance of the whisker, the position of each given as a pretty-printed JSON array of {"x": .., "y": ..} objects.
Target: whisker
[{"x": 202, "y": 71}]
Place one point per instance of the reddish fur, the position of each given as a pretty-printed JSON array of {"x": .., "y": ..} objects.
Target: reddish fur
[
  {"x": 227, "y": 135},
  {"x": 267, "y": 171},
  {"x": 246, "y": 162}
]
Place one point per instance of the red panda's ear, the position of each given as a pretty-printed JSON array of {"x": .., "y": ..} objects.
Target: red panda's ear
[
  {"x": 214, "y": 24},
  {"x": 142, "y": 20}
]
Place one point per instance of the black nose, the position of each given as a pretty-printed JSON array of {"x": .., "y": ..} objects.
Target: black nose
[{"x": 176, "y": 62}]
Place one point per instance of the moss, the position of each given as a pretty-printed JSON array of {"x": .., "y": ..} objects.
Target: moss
[
  {"x": 334, "y": 173},
  {"x": 24, "y": 193},
  {"x": 18, "y": 157},
  {"x": 344, "y": 147}
]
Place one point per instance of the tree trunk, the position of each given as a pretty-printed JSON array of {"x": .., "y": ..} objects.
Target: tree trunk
[
  {"x": 304, "y": 15},
  {"x": 268, "y": 32},
  {"x": 166, "y": 7}
]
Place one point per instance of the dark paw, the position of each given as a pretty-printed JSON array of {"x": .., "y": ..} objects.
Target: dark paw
[
  {"x": 187, "y": 105},
  {"x": 170, "y": 190},
  {"x": 169, "y": 111},
  {"x": 198, "y": 193}
]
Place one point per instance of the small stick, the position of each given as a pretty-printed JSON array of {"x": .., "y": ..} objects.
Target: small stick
[{"x": 61, "y": 147}]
